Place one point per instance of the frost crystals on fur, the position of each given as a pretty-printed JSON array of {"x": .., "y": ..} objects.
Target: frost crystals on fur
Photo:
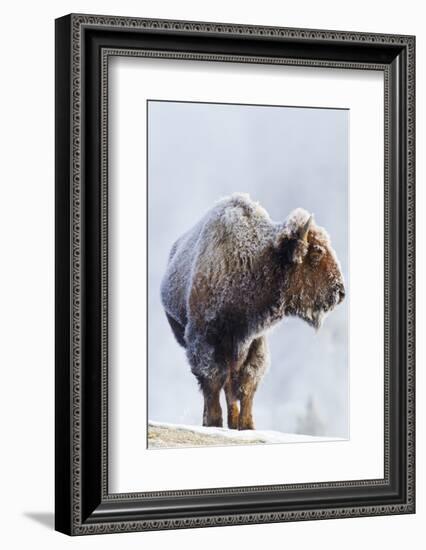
[{"x": 229, "y": 279}]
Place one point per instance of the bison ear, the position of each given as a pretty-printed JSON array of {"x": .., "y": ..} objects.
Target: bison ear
[
  {"x": 292, "y": 250},
  {"x": 293, "y": 241}
]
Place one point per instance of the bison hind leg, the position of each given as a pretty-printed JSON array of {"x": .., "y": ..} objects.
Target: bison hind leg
[
  {"x": 211, "y": 387},
  {"x": 178, "y": 330},
  {"x": 210, "y": 373}
]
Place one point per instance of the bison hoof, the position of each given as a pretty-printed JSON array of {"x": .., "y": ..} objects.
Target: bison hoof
[
  {"x": 213, "y": 423},
  {"x": 246, "y": 425},
  {"x": 233, "y": 425},
  {"x": 233, "y": 420}
]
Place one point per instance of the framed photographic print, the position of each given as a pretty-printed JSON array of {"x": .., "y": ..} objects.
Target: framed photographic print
[{"x": 234, "y": 274}]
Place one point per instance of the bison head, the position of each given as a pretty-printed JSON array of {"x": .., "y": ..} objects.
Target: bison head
[{"x": 313, "y": 281}]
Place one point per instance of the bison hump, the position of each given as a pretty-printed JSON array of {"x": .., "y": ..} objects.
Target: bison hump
[{"x": 233, "y": 238}]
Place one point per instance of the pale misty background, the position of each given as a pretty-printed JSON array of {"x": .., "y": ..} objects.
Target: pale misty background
[{"x": 284, "y": 158}]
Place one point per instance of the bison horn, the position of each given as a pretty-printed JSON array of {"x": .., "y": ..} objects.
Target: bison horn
[{"x": 305, "y": 229}]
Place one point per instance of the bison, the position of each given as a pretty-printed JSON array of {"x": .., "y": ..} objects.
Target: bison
[{"x": 230, "y": 278}]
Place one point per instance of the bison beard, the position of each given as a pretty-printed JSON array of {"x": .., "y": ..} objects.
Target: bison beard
[{"x": 229, "y": 279}]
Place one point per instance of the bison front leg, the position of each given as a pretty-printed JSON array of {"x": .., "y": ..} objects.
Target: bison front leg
[
  {"x": 246, "y": 421},
  {"x": 250, "y": 375},
  {"x": 232, "y": 405}
]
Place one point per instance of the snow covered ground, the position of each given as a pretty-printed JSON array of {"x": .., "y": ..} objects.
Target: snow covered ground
[{"x": 167, "y": 435}]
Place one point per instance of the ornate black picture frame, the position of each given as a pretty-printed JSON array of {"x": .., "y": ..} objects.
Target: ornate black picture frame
[{"x": 83, "y": 45}]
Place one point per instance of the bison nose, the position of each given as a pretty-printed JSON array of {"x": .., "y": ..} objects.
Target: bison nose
[{"x": 341, "y": 293}]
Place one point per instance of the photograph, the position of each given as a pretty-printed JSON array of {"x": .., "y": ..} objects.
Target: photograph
[{"x": 248, "y": 274}]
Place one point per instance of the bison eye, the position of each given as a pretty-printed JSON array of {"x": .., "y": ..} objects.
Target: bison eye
[{"x": 317, "y": 252}]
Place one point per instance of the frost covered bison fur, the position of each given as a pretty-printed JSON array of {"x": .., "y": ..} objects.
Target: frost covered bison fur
[{"x": 229, "y": 279}]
